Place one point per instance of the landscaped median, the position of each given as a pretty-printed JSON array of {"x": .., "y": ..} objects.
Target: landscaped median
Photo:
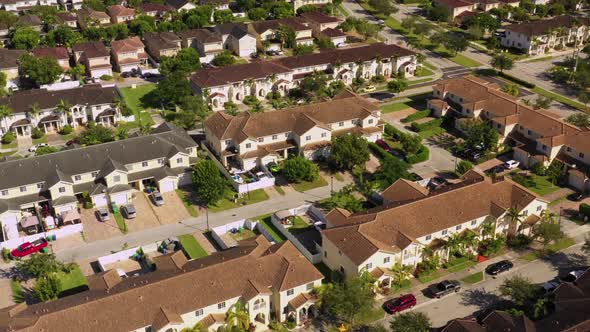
[
  {"x": 120, "y": 222},
  {"x": 474, "y": 278}
]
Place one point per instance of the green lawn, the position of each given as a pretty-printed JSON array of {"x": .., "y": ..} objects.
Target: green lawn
[
  {"x": 394, "y": 107},
  {"x": 428, "y": 277},
  {"x": 143, "y": 116},
  {"x": 465, "y": 61},
  {"x": 270, "y": 228},
  {"x": 243, "y": 234},
  {"x": 305, "y": 186},
  {"x": 132, "y": 97},
  {"x": 423, "y": 72},
  {"x": 17, "y": 291},
  {"x": 40, "y": 140},
  {"x": 343, "y": 11},
  {"x": 432, "y": 132},
  {"x": 299, "y": 223},
  {"x": 405, "y": 285},
  {"x": 71, "y": 282},
  {"x": 552, "y": 248},
  {"x": 423, "y": 80},
  {"x": 461, "y": 266},
  {"x": 559, "y": 98},
  {"x": 429, "y": 65},
  {"x": 191, "y": 246},
  {"x": 539, "y": 184},
  {"x": 280, "y": 190},
  {"x": 370, "y": 317},
  {"x": 338, "y": 177},
  {"x": 226, "y": 203},
  {"x": 473, "y": 278},
  {"x": 416, "y": 102},
  {"x": 121, "y": 222},
  {"x": 12, "y": 145},
  {"x": 192, "y": 210},
  {"x": 544, "y": 58}
]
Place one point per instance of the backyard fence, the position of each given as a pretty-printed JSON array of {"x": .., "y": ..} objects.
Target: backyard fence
[
  {"x": 58, "y": 233},
  {"x": 303, "y": 209}
]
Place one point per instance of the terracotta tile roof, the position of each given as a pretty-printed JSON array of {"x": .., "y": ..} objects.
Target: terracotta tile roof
[
  {"x": 394, "y": 227},
  {"x": 118, "y": 10},
  {"x": 301, "y": 299},
  {"x": 297, "y": 119},
  {"x": 131, "y": 44},
  {"x": 162, "y": 295},
  {"x": 378, "y": 272},
  {"x": 212, "y": 319},
  {"x": 404, "y": 190},
  {"x": 543, "y": 27}
]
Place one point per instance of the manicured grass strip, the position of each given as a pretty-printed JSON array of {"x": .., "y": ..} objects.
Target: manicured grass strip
[
  {"x": 539, "y": 184},
  {"x": 192, "y": 210},
  {"x": 425, "y": 72},
  {"x": 343, "y": 10},
  {"x": 405, "y": 285},
  {"x": 370, "y": 317},
  {"x": 40, "y": 140},
  {"x": 270, "y": 228},
  {"x": 473, "y": 278},
  {"x": 305, "y": 185},
  {"x": 561, "y": 244},
  {"x": 416, "y": 82},
  {"x": 416, "y": 116},
  {"x": 121, "y": 222},
  {"x": 531, "y": 256},
  {"x": 461, "y": 266},
  {"x": 70, "y": 282},
  {"x": 464, "y": 61},
  {"x": 429, "y": 65},
  {"x": 12, "y": 145},
  {"x": 191, "y": 246},
  {"x": 559, "y": 98},
  {"x": 17, "y": 291},
  {"x": 338, "y": 177},
  {"x": 394, "y": 107},
  {"x": 544, "y": 58},
  {"x": 132, "y": 97},
  {"x": 280, "y": 190},
  {"x": 252, "y": 197},
  {"x": 426, "y": 278}
]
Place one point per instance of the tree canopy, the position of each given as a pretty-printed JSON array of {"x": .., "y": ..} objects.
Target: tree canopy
[
  {"x": 410, "y": 322},
  {"x": 299, "y": 168},
  {"x": 390, "y": 170},
  {"x": 349, "y": 151},
  {"x": 502, "y": 62},
  {"x": 187, "y": 60},
  {"x": 350, "y": 299},
  {"x": 41, "y": 70},
  {"x": 96, "y": 135},
  {"x": 208, "y": 183},
  {"x": 519, "y": 289},
  {"x": 25, "y": 38}
]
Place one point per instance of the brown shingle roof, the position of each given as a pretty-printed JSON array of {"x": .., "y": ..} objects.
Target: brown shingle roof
[
  {"x": 148, "y": 7},
  {"x": 58, "y": 53},
  {"x": 9, "y": 58},
  {"x": 118, "y": 10},
  {"x": 333, "y": 33},
  {"x": 66, "y": 17},
  {"x": 137, "y": 301},
  {"x": 93, "y": 49},
  {"x": 543, "y": 27},
  {"x": 130, "y": 44},
  {"x": 161, "y": 40},
  {"x": 453, "y": 3},
  {"x": 202, "y": 35},
  {"x": 295, "y": 23},
  {"x": 404, "y": 190},
  {"x": 225, "y": 75},
  {"x": 319, "y": 17}
]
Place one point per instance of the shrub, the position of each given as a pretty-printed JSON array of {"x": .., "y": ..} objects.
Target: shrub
[
  {"x": 106, "y": 77},
  {"x": 463, "y": 167},
  {"x": 67, "y": 129},
  {"x": 539, "y": 169},
  {"x": 418, "y": 127},
  {"x": 8, "y": 138},
  {"x": 378, "y": 151},
  {"x": 519, "y": 241},
  {"x": 517, "y": 80},
  {"x": 392, "y": 131},
  {"x": 378, "y": 79},
  {"x": 6, "y": 256},
  {"x": 584, "y": 210},
  {"x": 37, "y": 133},
  {"x": 422, "y": 155},
  {"x": 250, "y": 100},
  {"x": 416, "y": 116}
]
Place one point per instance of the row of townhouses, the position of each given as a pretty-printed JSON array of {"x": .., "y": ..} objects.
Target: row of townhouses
[
  {"x": 540, "y": 37},
  {"x": 414, "y": 218},
  {"x": 461, "y": 9},
  {"x": 538, "y": 136},
  {"x": 248, "y": 140},
  {"x": 274, "y": 281},
  {"x": 225, "y": 84},
  {"x": 17, "y": 6},
  {"x": 42, "y": 109},
  {"x": 106, "y": 174}
]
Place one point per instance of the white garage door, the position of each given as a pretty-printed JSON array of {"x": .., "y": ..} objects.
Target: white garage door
[
  {"x": 119, "y": 199},
  {"x": 100, "y": 200},
  {"x": 166, "y": 186}
]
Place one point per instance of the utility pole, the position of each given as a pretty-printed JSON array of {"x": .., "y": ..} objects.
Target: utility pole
[{"x": 331, "y": 185}]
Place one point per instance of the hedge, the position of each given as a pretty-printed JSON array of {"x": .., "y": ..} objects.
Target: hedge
[
  {"x": 584, "y": 209},
  {"x": 378, "y": 151},
  {"x": 422, "y": 155},
  {"x": 517, "y": 80},
  {"x": 418, "y": 127},
  {"x": 416, "y": 116},
  {"x": 392, "y": 131}
]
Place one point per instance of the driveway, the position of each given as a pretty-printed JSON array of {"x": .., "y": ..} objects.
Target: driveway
[
  {"x": 95, "y": 230},
  {"x": 171, "y": 212},
  {"x": 146, "y": 218}
]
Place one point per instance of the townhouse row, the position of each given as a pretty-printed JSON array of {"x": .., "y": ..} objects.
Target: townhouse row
[
  {"x": 275, "y": 281},
  {"x": 104, "y": 175},
  {"x": 537, "y": 136},
  {"x": 258, "y": 79}
]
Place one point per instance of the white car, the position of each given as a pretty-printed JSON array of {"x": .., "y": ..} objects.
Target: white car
[
  {"x": 35, "y": 147},
  {"x": 511, "y": 164},
  {"x": 381, "y": 22},
  {"x": 341, "y": 45}
]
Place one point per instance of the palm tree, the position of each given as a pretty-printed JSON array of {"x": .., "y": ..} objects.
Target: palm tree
[
  {"x": 488, "y": 227},
  {"x": 34, "y": 110},
  {"x": 401, "y": 273},
  {"x": 5, "y": 112},
  {"x": 454, "y": 243},
  {"x": 63, "y": 107},
  {"x": 237, "y": 317},
  {"x": 251, "y": 84},
  {"x": 197, "y": 328},
  {"x": 548, "y": 216},
  {"x": 514, "y": 217},
  {"x": 470, "y": 239}
]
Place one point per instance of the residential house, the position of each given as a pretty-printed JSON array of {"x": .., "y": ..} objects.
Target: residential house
[
  {"x": 53, "y": 3},
  {"x": 60, "y": 54},
  {"x": 267, "y": 32},
  {"x": 376, "y": 239},
  {"x": 18, "y": 6},
  {"x": 179, "y": 5},
  {"x": 494, "y": 321},
  {"x": 87, "y": 103},
  {"x": 92, "y": 18},
  {"x": 159, "y": 44},
  {"x": 220, "y": 85},
  {"x": 300, "y": 3},
  {"x": 248, "y": 140},
  {"x": 487, "y": 5},
  {"x": 537, "y": 136},
  {"x": 68, "y": 19},
  {"x": 540, "y": 37},
  {"x": 515, "y": 3},
  {"x": 337, "y": 37},
  {"x": 129, "y": 54},
  {"x": 236, "y": 38},
  {"x": 30, "y": 20},
  {"x": 109, "y": 173},
  {"x": 456, "y": 7},
  {"x": 208, "y": 43},
  {"x": 4, "y": 34},
  {"x": 274, "y": 280},
  {"x": 71, "y": 4},
  {"x": 95, "y": 57},
  {"x": 319, "y": 21},
  {"x": 216, "y": 4},
  {"x": 9, "y": 65},
  {"x": 156, "y": 10},
  {"x": 120, "y": 14}
]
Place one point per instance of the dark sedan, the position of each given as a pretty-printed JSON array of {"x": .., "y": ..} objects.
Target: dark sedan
[{"x": 499, "y": 267}]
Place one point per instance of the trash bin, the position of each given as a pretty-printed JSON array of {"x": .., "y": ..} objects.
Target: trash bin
[{"x": 45, "y": 250}]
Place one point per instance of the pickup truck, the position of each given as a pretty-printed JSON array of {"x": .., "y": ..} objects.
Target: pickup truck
[{"x": 444, "y": 287}]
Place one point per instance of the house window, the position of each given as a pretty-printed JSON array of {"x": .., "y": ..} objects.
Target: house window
[
  {"x": 117, "y": 178},
  {"x": 342, "y": 270},
  {"x": 308, "y": 138},
  {"x": 370, "y": 121},
  {"x": 581, "y": 155},
  {"x": 290, "y": 292},
  {"x": 428, "y": 237},
  {"x": 94, "y": 174},
  {"x": 458, "y": 227},
  {"x": 309, "y": 286},
  {"x": 62, "y": 189},
  {"x": 77, "y": 178},
  {"x": 325, "y": 252},
  {"x": 248, "y": 145},
  {"x": 386, "y": 260},
  {"x": 179, "y": 160},
  {"x": 227, "y": 141},
  {"x": 341, "y": 124},
  {"x": 199, "y": 312},
  {"x": 161, "y": 161},
  {"x": 144, "y": 164},
  {"x": 274, "y": 137},
  {"x": 260, "y": 139},
  {"x": 528, "y": 132},
  {"x": 23, "y": 189},
  {"x": 369, "y": 266},
  {"x": 444, "y": 232},
  {"x": 40, "y": 185},
  {"x": 525, "y": 213},
  {"x": 473, "y": 222},
  {"x": 4, "y": 192},
  {"x": 324, "y": 135},
  {"x": 221, "y": 305},
  {"x": 544, "y": 147},
  {"x": 286, "y": 135},
  {"x": 539, "y": 208}
]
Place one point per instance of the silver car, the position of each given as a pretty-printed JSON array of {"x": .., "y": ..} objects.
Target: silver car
[
  {"x": 103, "y": 214},
  {"x": 157, "y": 198},
  {"x": 129, "y": 211}
]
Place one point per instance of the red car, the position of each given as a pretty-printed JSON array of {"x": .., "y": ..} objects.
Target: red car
[
  {"x": 28, "y": 248},
  {"x": 400, "y": 304},
  {"x": 383, "y": 145}
]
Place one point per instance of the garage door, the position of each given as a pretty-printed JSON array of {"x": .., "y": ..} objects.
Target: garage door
[
  {"x": 119, "y": 199},
  {"x": 166, "y": 186},
  {"x": 100, "y": 200}
]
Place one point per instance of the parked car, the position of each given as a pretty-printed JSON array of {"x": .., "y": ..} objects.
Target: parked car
[
  {"x": 369, "y": 88},
  {"x": 573, "y": 275},
  {"x": 70, "y": 142},
  {"x": 28, "y": 248},
  {"x": 103, "y": 214},
  {"x": 341, "y": 45},
  {"x": 437, "y": 182},
  {"x": 35, "y": 147},
  {"x": 381, "y": 22},
  {"x": 383, "y": 145},
  {"x": 576, "y": 197},
  {"x": 444, "y": 287},
  {"x": 157, "y": 198},
  {"x": 399, "y": 304},
  {"x": 126, "y": 74},
  {"x": 550, "y": 286},
  {"x": 499, "y": 267},
  {"x": 129, "y": 211},
  {"x": 511, "y": 164}
]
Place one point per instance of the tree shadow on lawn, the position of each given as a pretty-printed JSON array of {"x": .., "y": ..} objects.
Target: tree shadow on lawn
[
  {"x": 150, "y": 100},
  {"x": 480, "y": 298},
  {"x": 566, "y": 262}
]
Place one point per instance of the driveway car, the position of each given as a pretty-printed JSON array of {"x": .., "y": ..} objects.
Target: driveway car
[
  {"x": 35, "y": 147},
  {"x": 499, "y": 267},
  {"x": 383, "y": 145},
  {"x": 129, "y": 211},
  {"x": 157, "y": 198},
  {"x": 444, "y": 287},
  {"x": 550, "y": 286},
  {"x": 28, "y": 248},
  {"x": 576, "y": 197},
  {"x": 402, "y": 303},
  {"x": 511, "y": 164},
  {"x": 573, "y": 275},
  {"x": 370, "y": 88},
  {"x": 103, "y": 214}
]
